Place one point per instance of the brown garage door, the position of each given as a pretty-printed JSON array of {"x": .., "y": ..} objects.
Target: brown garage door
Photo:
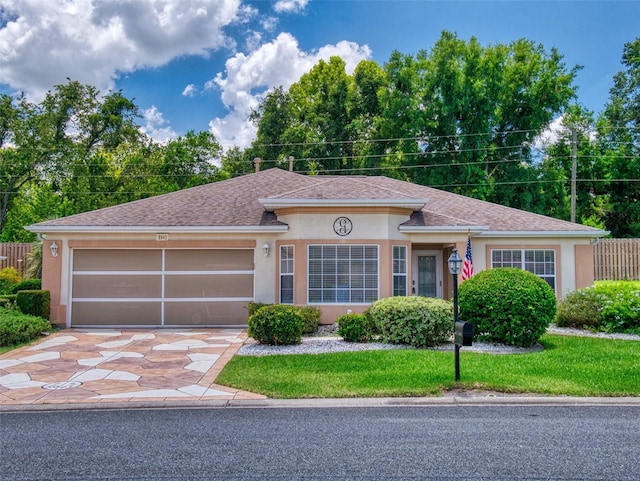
[{"x": 161, "y": 287}]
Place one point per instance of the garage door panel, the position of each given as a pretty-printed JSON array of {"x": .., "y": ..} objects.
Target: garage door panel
[
  {"x": 209, "y": 260},
  {"x": 113, "y": 286},
  {"x": 205, "y": 313},
  {"x": 117, "y": 260},
  {"x": 161, "y": 287},
  {"x": 209, "y": 286},
  {"x": 116, "y": 313}
]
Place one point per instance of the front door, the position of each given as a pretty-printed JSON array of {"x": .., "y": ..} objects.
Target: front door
[{"x": 426, "y": 278}]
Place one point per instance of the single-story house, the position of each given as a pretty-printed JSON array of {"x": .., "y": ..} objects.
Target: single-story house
[{"x": 200, "y": 255}]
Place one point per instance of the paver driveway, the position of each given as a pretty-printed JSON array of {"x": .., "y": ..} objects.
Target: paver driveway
[{"x": 107, "y": 365}]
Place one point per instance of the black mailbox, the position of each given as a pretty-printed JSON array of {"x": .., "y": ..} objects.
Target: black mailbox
[{"x": 463, "y": 333}]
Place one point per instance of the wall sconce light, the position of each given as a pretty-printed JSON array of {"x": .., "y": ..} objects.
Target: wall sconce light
[
  {"x": 266, "y": 249},
  {"x": 54, "y": 249}
]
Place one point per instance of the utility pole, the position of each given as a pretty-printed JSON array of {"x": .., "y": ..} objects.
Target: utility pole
[{"x": 574, "y": 171}]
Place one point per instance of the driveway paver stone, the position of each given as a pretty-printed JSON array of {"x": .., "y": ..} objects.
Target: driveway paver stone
[{"x": 101, "y": 365}]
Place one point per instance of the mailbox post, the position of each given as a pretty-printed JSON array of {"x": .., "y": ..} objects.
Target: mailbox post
[{"x": 462, "y": 331}]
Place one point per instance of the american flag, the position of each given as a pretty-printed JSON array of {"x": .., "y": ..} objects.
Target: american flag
[{"x": 467, "y": 265}]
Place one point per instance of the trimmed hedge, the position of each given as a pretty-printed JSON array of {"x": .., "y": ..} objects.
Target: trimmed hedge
[
  {"x": 610, "y": 306},
  {"x": 276, "y": 325},
  {"x": 18, "y": 328},
  {"x": 27, "y": 285},
  {"x": 413, "y": 320},
  {"x": 356, "y": 327},
  {"x": 507, "y": 305},
  {"x": 34, "y": 303}
]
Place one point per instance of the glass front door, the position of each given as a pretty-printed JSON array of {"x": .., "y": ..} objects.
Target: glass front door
[
  {"x": 427, "y": 273},
  {"x": 427, "y": 281}
]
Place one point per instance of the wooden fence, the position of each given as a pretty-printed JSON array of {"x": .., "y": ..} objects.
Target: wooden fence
[
  {"x": 13, "y": 254},
  {"x": 617, "y": 259}
]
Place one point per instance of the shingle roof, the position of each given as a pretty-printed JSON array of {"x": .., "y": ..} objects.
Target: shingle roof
[{"x": 236, "y": 202}]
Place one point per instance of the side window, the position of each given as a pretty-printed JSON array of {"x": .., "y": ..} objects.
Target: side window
[
  {"x": 541, "y": 262},
  {"x": 286, "y": 274},
  {"x": 399, "y": 270}
]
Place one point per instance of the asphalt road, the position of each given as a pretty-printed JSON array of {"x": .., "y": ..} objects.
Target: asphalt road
[{"x": 377, "y": 443}]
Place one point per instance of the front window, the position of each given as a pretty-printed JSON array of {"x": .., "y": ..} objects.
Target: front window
[
  {"x": 541, "y": 262},
  {"x": 399, "y": 270},
  {"x": 343, "y": 274}
]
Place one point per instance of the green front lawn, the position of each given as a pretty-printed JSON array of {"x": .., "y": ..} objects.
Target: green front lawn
[{"x": 574, "y": 366}]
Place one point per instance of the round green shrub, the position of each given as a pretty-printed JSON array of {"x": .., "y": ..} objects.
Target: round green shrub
[
  {"x": 276, "y": 325},
  {"x": 507, "y": 305},
  {"x": 580, "y": 309},
  {"x": 253, "y": 307},
  {"x": 355, "y": 327},
  {"x": 311, "y": 316},
  {"x": 413, "y": 320}
]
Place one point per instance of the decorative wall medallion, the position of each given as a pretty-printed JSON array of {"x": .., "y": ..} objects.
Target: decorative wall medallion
[{"x": 342, "y": 226}]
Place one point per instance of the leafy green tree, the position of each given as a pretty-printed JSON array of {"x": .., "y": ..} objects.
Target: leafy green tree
[
  {"x": 190, "y": 160},
  {"x": 556, "y": 171},
  {"x": 619, "y": 136},
  {"x": 483, "y": 106}
]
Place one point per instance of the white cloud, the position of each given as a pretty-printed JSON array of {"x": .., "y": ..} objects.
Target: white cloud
[
  {"x": 288, "y": 6},
  {"x": 190, "y": 90},
  {"x": 551, "y": 134},
  {"x": 156, "y": 126},
  {"x": 248, "y": 77},
  {"x": 44, "y": 42}
]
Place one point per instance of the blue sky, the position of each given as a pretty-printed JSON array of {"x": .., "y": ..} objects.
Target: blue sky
[{"x": 203, "y": 64}]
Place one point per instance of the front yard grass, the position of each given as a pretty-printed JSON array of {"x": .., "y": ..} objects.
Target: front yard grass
[{"x": 569, "y": 365}]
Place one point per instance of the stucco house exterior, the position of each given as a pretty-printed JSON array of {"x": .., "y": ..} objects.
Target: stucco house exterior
[{"x": 200, "y": 255}]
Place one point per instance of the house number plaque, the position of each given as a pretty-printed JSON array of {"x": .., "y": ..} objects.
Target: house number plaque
[{"x": 342, "y": 226}]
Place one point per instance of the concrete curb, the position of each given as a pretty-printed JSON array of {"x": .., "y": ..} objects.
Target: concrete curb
[{"x": 451, "y": 401}]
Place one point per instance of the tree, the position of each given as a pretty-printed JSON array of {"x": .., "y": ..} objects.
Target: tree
[
  {"x": 556, "y": 170},
  {"x": 482, "y": 108},
  {"x": 190, "y": 160},
  {"x": 461, "y": 117},
  {"x": 619, "y": 137}
]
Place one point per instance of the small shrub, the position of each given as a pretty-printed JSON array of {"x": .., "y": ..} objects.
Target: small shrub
[
  {"x": 9, "y": 277},
  {"x": 311, "y": 317},
  {"x": 620, "y": 310},
  {"x": 507, "y": 305},
  {"x": 17, "y": 328},
  {"x": 356, "y": 327},
  {"x": 414, "y": 320},
  {"x": 580, "y": 309},
  {"x": 276, "y": 325},
  {"x": 27, "y": 285},
  {"x": 609, "y": 306},
  {"x": 253, "y": 307},
  {"x": 34, "y": 303}
]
